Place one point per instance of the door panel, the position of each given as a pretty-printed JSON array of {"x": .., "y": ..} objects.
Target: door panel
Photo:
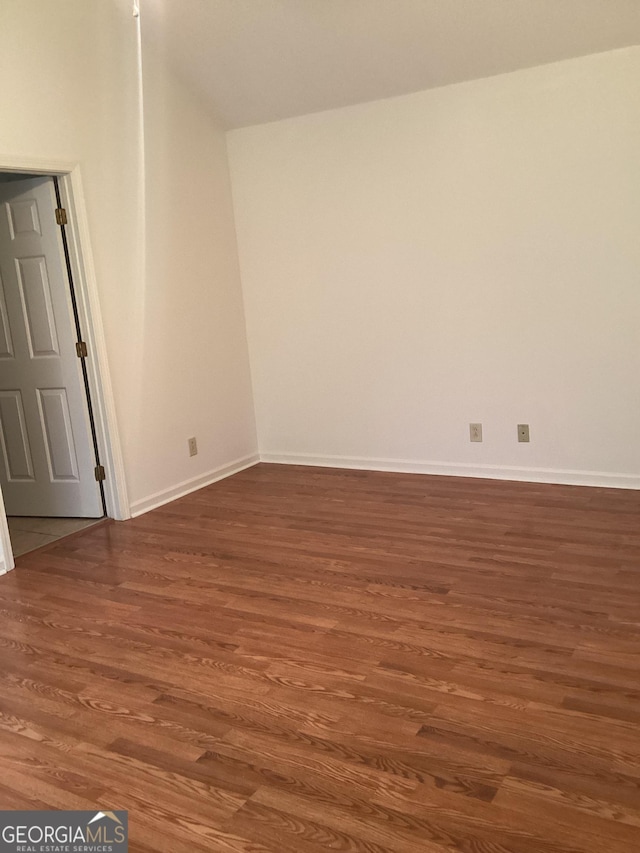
[
  {"x": 47, "y": 451},
  {"x": 23, "y": 218},
  {"x": 6, "y": 344},
  {"x": 35, "y": 293},
  {"x": 18, "y": 462},
  {"x": 55, "y": 421}
]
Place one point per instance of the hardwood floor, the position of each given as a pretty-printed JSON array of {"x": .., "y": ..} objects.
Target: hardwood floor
[{"x": 297, "y": 660}]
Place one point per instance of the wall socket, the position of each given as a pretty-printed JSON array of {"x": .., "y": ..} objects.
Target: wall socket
[
  {"x": 523, "y": 432},
  {"x": 475, "y": 432},
  {"x": 193, "y": 447}
]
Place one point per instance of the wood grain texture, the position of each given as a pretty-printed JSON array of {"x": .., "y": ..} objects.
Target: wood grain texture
[{"x": 301, "y": 660}]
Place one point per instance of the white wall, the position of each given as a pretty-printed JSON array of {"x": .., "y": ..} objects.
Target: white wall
[
  {"x": 194, "y": 375},
  {"x": 174, "y": 328},
  {"x": 470, "y": 253},
  {"x": 70, "y": 94}
]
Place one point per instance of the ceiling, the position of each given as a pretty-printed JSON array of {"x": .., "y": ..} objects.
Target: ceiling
[{"x": 262, "y": 60}]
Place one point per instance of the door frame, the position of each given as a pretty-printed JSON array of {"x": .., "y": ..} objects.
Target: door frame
[{"x": 86, "y": 291}]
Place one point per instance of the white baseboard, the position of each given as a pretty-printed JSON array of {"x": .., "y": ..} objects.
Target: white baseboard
[
  {"x": 187, "y": 486},
  {"x": 402, "y": 466},
  {"x": 457, "y": 469}
]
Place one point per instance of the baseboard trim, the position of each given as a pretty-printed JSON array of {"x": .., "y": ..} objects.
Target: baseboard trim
[
  {"x": 601, "y": 479},
  {"x": 159, "y": 499}
]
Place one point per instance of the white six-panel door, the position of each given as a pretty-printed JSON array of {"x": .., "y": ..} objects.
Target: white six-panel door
[{"x": 47, "y": 459}]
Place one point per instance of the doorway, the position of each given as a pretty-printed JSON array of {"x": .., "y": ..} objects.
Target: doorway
[
  {"x": 58, "y": 436},
  {"x": 48, "y": 451}
]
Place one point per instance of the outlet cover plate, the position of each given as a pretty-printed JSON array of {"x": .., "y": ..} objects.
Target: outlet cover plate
[
  {"x": 475, "y": 432},
  {"x": 523, "y": 432}
]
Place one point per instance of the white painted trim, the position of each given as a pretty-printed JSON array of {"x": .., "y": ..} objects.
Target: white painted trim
[
  {"x": 458, "y": 469},
  {"x": 6, "y": 551},
  {"x": 35, "y": 165},
  {"x": 88, "y": 302},
  {"x": 187, "y": 486}
]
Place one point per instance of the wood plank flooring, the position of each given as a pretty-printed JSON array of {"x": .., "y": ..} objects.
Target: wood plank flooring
[{"x": 297, "y": 660}]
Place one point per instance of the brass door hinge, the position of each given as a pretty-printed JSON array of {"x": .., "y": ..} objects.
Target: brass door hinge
[
  {"x": 81, "y": 349},
  {"x": 61, "y": 216},
  {"x": 99, "y": 472}
]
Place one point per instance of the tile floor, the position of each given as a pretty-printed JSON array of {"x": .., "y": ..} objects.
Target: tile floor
[{"x": 29, "y": 533}]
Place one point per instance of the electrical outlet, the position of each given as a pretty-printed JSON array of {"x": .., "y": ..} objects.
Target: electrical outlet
[
  {"x": 523, "y": 432},
  {"x": 193, "y": 447},
  {"x": 475, "y": 432}
]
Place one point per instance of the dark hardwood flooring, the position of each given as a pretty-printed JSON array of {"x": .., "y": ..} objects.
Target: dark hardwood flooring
[{"x": 297, "y": 660}]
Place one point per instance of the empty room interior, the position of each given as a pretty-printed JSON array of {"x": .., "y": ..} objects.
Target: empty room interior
[{"x": 319, "y": 351}]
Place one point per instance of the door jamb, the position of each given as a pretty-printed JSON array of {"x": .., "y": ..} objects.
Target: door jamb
[{"x": 115, "y": 488}]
